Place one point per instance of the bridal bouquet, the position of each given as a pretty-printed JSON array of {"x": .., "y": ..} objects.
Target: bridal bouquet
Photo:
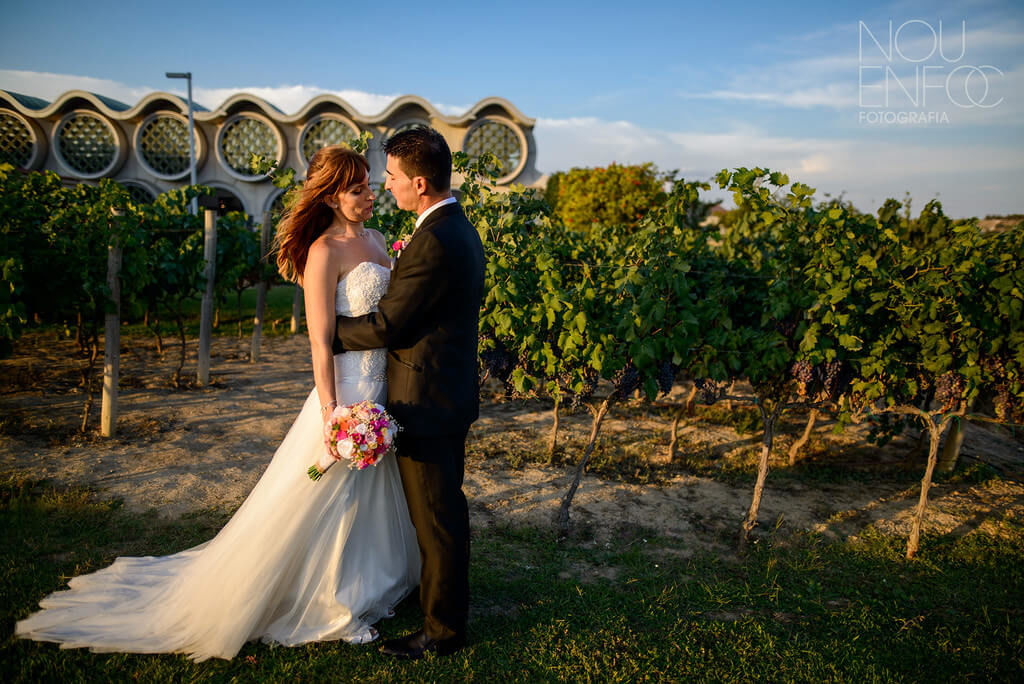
[{"x": 362, "y": 433}]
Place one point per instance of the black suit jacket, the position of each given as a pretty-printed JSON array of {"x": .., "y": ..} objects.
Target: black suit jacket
[{"x": 428, "y": 320}]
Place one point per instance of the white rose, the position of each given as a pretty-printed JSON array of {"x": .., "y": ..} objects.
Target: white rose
[
  {"x": 345, "y": 448},
  {"x": 361, "y": 428}
]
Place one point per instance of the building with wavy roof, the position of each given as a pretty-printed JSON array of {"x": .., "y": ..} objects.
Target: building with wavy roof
[{"x": 84, "y": 137}]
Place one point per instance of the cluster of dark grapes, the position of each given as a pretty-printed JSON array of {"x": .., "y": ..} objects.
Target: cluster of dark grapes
[
  {"x": 786, "y": 328},
  {"x": 803, "y": 373},
  {"x": 828, "y": 380},
  {"x": 836, "y": 377},
  {"x": 949, "y": 387},
  {"x": 709, "y": 391},
  {"x": 590, "y": 378},
  {"x": 496, "y": 363},
  {"x": 1006, "y": 409},
  {"x": 666, "y": 376},
  {"x": 626, "y": 380}
]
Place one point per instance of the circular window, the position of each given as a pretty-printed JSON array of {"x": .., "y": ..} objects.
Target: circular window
[
  {"x": 18, "y": 142},
  {"x": 222, "y": 200},
  {"x": 500, "y": 138},
  {"x": 276, "y": 208},
  {"x": 162, "y": 145},
  {"x": 407, "y": 125},
  {"x": 324, "y": 130},
  {"x": 385, "y": 202},
  {"x": 139, "y": 193},
  {"x": 87, "y": 145},
  {"x": 243, "y": 135}
]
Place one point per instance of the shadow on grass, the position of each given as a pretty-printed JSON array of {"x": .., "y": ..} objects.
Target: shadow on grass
[{"x": 634, "y": 608}]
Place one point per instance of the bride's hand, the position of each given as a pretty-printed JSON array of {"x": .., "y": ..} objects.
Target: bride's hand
[{"x": 326, "y": 416}]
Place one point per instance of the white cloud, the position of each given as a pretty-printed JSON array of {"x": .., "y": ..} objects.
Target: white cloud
[
  {"x": 291, "y": 98},
  {"x": 815, "y": 164},
  {"x": 49, "y": 86},
  {"x": 835, "y": 95},
  {"x": 288, "y": 98}
]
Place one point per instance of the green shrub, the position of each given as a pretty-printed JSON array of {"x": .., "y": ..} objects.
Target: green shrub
[{"x": 610, "y": 196}]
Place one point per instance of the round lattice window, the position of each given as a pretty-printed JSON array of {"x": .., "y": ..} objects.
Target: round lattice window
[
  {"x": 408, "y": 125},
  {"x": 140, "y": 194},
  {"x": 240, "y": 138},
  {"x": 87, "y": 144},
  {"x": 17, "y": 143},
  {"x": 385, "y": 202},
  {"x": 501, "y": 140},
  {"x": 326, "y": 130},
  {"x": 276, "y": 208},
  {"x": 162, "y": 144}
]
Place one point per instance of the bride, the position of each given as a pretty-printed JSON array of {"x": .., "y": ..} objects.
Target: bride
[{"x": 300, "y": 561}]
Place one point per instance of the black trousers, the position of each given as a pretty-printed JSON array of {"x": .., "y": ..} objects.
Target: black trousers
[{"x": 432, "y": 470}]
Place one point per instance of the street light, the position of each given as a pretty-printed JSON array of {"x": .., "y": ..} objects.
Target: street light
[{"x": 191, "y": 132}]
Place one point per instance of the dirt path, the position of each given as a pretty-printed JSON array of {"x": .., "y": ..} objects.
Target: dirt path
[{"x": 184, "y": 450}]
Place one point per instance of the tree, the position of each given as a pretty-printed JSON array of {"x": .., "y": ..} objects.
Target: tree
[{"x": 615, "y": 195}]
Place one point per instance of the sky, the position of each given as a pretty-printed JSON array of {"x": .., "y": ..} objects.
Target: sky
[{"x": 864, "y": 100}]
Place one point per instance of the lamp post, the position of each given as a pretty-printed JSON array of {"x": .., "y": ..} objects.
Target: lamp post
[{"x": 191, "y": 132}]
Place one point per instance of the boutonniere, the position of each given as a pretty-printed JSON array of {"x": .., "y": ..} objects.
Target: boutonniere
[{"x": 400, "y": 244}]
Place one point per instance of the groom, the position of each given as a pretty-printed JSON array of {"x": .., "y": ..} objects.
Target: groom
[{"x": 428, "y": 321}]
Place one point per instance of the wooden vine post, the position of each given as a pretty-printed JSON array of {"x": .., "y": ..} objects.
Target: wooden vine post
[
  {"x": 112, "y": 340},
  {"x": 296, "y": 308},
  {"x": 261, "y": 292},
  {"x": 206, "y": 316}
]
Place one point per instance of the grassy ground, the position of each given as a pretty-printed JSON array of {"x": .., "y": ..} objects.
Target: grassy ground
[
  {"x": 635, "y": 609},
  {"x": 277, "y": 315}
]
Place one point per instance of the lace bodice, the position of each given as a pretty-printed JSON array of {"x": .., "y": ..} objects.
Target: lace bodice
[{"x": 358, "y": 294}]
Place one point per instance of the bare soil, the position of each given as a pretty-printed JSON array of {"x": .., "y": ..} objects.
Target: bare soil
[{"x": 179, "y": 450}]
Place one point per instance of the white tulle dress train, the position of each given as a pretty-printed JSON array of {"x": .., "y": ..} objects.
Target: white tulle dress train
[{"x": 300, "y": 561}]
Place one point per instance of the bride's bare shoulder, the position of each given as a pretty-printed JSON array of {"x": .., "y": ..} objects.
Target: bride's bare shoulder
[
  {"x": 325, "y": 246},
  {"x": 378, "y": 236},
  {"x": 323, "y": 261}
]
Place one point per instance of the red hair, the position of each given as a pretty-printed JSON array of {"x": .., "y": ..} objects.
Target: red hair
[{"x": 332, "y": 169}]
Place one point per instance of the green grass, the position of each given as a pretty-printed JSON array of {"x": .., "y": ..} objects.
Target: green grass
[
  {"x": 632, "y": 609},
  {"x": 278, "y": 308}
]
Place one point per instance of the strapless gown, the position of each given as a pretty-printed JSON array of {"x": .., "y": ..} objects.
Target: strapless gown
[{"x": 300, "y": 561}]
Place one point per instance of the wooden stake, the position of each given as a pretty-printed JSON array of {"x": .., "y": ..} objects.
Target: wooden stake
[
  {"x": 111, "y": 342},
  {"x": 206, "y": 316},
  {"x": 261, "y": 293},
  {"x": 296, "y": 308}
]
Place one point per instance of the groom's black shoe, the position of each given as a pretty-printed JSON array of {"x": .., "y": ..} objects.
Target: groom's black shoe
[{"x": 419, "y": 644}]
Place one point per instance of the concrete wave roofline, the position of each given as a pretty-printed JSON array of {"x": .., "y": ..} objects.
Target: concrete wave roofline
[{"x": 121, "y": 111}]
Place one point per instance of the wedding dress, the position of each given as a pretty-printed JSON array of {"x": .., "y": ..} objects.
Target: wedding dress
[{"x": 300, "y": 561}]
